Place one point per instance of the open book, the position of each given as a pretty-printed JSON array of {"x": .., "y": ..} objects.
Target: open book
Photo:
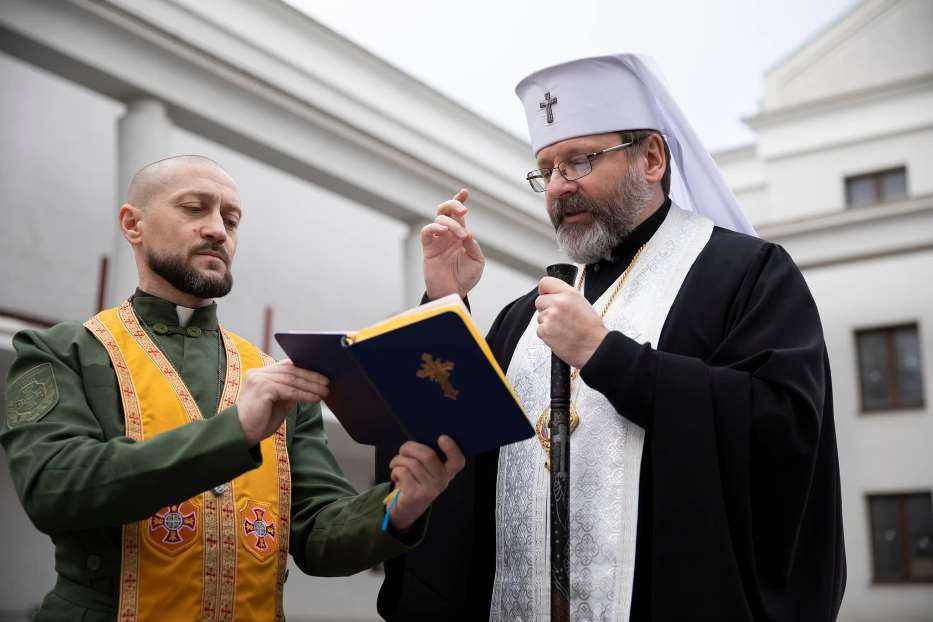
[{"x": 415, "y": 376}]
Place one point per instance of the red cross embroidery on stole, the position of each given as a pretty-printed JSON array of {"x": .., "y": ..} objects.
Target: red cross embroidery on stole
[
  {"x": 260, "y": 529},
  {"x": 173, "y": 521}
]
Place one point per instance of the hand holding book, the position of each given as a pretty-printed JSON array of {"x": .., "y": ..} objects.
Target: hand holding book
[
  {"x": 419, "y": 471},
  {"x": 416, "y": 376}
]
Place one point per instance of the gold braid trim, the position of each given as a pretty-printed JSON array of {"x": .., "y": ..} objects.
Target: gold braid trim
[{"x": 129, "y": 554}]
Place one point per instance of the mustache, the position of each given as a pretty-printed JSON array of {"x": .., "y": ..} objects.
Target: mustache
[
  {"x": 573, "y": 204},
  {"x": 213, "y": 248}
]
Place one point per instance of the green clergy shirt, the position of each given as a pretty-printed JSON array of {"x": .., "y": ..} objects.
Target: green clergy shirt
[{"x": 79, "y": 477}]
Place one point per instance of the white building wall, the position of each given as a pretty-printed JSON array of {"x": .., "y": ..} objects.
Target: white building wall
[
  {"x": 744, "y": 171},
  {"x": 57, "y": 177},
  {"x": 812, "y": 182},
  {"x": 885, "y": 451},
  {"x": 877, "y": 43},
  {"x": 755, "y": 204}
]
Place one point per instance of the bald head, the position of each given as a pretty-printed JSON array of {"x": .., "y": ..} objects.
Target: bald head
[
  {"x": 182, "y": 218},
  {"x": 154, "y": 178}
]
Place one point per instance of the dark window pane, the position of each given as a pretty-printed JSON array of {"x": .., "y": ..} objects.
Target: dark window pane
[
  {"x": 907, "y": 364},
  {"x": 886, "y": 538},
  {"x": 873, "y": 368},
  {"x": 920, "y": 537},
  {"x": 861, "y": 191},
  {"x": 894, "y": 185}
]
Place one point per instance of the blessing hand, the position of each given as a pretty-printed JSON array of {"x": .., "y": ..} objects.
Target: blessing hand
[
  {"x": 421, "y": 476},
  {"x": 453, "y": 259},
  {"x": 567, "y": 323}
]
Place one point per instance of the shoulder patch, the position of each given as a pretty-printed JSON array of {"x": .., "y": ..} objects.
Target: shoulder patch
[{"x": 31, "y": 396}]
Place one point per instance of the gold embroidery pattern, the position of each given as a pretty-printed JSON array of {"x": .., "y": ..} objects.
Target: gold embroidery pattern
[
  {"x": 211, "y": 515},
  {"x": 228, "y": 543},
  {"x": 234, "y": 376},
  {"x": 131, "y": 323},
  {"x": 285, "y": 502},
  {"x": 129, "y": 563},
  {"x": 219, "y": 518},
  {"x": 228, "y": 514},
  {"x": 211, "y": 557},
  {"x": 219, "y": 513}
]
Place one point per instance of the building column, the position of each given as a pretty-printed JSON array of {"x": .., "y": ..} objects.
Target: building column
[
  {"x": 143, "y": 136},
  {"x": 412, "y": 266}
]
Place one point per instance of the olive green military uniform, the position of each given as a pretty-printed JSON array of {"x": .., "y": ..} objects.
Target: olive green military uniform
[{"x": 80, "y": 478}]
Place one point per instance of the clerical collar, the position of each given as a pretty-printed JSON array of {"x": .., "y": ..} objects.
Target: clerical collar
[
  {"x": 184, "y": 314},
  {"x": 153, "y": 310},
  {"x": 603, "y": 273}
]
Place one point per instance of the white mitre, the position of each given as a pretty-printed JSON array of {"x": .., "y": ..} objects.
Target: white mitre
[{"x": 623, "y": 92}]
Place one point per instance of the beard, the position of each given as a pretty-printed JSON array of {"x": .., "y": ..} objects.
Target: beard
[
  {"x": 613, "y": 218},
  {"x": 189, "y": 280}
]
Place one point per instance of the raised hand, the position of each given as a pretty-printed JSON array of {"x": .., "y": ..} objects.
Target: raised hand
[
  {"x": 421, "y": 476},
  {"x": 270, "y": 392},
  {"x": 453, "y": 259}
]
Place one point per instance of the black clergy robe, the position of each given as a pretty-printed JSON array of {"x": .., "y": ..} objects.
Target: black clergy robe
[{"x": 739, "y": 512}]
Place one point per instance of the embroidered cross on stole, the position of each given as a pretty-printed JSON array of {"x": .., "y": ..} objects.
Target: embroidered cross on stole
[{"x": 227, "y": 547}]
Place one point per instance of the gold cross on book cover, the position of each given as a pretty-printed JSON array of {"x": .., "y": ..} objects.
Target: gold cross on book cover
[
  {"x": 414, "y": 376},
  {"x": 438, "y": 371}
]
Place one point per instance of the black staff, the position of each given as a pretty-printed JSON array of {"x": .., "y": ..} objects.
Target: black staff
[{"x": 559, "y": 431}]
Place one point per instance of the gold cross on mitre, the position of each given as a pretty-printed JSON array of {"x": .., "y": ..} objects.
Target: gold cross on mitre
[{"x": 438, "y": 371}]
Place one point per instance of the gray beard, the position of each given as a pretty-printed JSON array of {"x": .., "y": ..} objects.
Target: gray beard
[
  {"x": 613, "y": 219},
  {"x": 188, "y": 280}
]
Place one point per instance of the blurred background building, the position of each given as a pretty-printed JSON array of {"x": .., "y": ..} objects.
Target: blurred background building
[
  {"x": 341, "y": 158},
  {"x": 841, "y": 175}
]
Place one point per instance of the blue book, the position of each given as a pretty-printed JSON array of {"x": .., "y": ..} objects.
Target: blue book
[{"x": 415, "y": 376}]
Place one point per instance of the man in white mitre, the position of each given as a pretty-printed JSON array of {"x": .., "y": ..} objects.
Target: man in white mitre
[{"x": 704, "y": 472}]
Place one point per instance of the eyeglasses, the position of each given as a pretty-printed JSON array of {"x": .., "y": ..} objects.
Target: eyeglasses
[{"x": 571, "y": 169}]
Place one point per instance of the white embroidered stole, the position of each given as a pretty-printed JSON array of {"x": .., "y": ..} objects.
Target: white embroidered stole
[{"x": 605, "y": 455}]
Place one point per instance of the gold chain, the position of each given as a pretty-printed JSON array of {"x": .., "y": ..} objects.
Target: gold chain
[{"x": 541, "y": 425}]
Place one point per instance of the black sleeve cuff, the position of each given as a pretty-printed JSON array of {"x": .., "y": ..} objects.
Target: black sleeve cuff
[
  {"x": 624, "y": 371},
  {"x": 466, "y": 301}
]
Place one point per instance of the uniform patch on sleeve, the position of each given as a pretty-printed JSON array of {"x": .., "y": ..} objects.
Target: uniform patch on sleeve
[{"x": 31, "y": 396}]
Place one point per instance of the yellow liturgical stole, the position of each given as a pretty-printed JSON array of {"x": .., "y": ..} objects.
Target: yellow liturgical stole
[{"x": 222, "y": 554}]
